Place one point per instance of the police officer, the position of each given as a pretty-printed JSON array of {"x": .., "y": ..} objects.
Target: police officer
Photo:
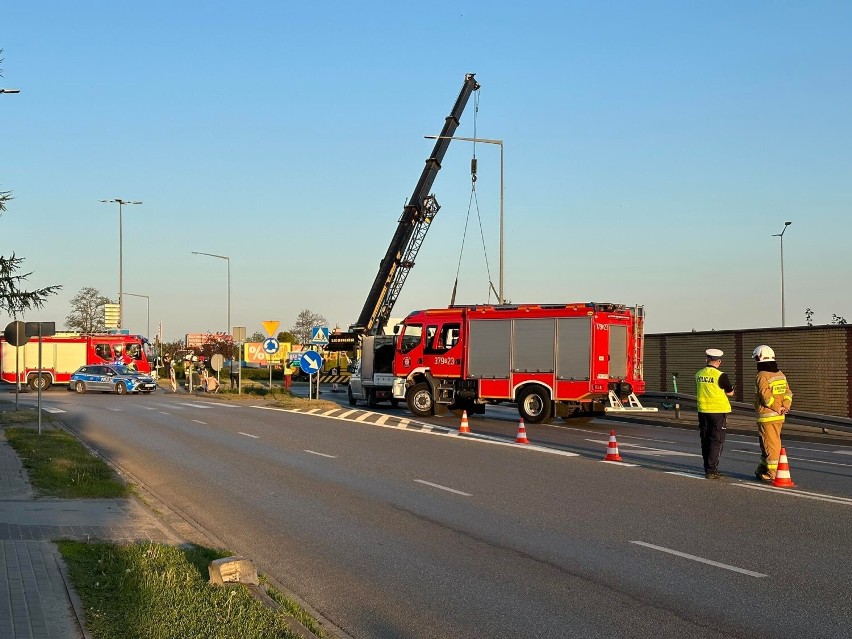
[
  {"x": 713, "y": 389},
  {"x": 772, "y": 401}
]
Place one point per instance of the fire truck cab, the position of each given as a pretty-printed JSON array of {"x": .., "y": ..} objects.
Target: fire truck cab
[{"x": 555, "y": 360}]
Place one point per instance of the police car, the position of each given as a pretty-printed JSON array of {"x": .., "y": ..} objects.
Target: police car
[{"x": 111, "y": 378}]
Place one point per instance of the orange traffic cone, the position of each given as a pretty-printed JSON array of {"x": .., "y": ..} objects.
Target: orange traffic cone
[
  {"x": 782, "y": 475},
  {"x": 522, "y": 433},
  {"x": 612, "y": 448},
  {"x": 464, "y": 428}
]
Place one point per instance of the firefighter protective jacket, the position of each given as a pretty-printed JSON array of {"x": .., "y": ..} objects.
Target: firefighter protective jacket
[{"x": 771, "y": 394}]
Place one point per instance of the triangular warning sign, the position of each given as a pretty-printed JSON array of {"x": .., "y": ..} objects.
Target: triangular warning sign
[{"x": 270, "y": 326}]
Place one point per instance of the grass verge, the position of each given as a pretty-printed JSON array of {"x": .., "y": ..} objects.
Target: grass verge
[
  {"x": 149, "y": 590},
  {"x": 23, "y": 417},
  {"x": 59, "y": 465}
]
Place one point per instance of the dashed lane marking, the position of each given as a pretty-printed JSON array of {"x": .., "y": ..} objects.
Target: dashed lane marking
[
  {"x": 702, "y": 560},
  {"x": 313, "y": 452},
  {"x": 802, "y": 459},
  {"x": 618, "y": 463},
  {"x": 197, "y": 421},
  {"x": 690, "y": 475},
  {"x": 447, "y": 488},
  {"x": 249, "y": 435},
  {"x": 196, "y": 405}
]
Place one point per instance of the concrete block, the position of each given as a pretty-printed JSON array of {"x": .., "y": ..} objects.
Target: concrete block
[{"x": 230, "y": 570}]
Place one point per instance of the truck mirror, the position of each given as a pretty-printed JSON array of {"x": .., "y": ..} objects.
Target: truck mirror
[{"x": 396, "y": 329}]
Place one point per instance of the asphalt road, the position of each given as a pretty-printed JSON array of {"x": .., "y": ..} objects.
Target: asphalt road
[{"x": 401, "y": 533}]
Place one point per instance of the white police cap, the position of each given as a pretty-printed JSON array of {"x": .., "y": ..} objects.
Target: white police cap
[{"x": 714, "y": 353}]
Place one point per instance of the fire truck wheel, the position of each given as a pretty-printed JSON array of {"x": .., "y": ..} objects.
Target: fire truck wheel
[
  {"x": 121, "y": 389},
  {"x": 80, "y": 387},
  {"x": 534, "y": 404},
  {"x": 39, "y": 380},
  {"x": 352, "y": 400},
  {"x": 419, "y": 400}
]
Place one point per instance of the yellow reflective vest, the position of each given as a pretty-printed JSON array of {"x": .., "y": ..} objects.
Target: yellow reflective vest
[{"x": 711, "y": 396}]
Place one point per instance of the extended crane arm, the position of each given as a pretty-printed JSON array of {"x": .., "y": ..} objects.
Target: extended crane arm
[{"x": 416, "y": 217}]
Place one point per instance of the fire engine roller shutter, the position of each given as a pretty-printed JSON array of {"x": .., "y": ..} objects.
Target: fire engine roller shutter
[
  {"x": 618, "y": 351},
  {"x": 532, "y": 351},
  {"x": 574, "y": 348},
  {"x": 488, "y": 348}
]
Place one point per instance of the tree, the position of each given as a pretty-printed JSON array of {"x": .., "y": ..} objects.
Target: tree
[
  {"x": 217, "y": 343},
  {"x": 256, "y": 337},
  {"x": 809, "y": 316},
  {"x": 287, "y": 336},
  {"x": 305, "y": 321},
  {"x": 13, "y": 300},
  {"x": 87, "y": 311}
]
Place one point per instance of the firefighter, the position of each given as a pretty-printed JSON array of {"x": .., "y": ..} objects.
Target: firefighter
[
  {"x": 713, "y": 389},
  {"x": 772, "y": 401}
]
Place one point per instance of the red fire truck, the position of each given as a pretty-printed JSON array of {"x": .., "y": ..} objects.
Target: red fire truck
[
  {"x": 64, "y": 353},
  {"x": 553, "y": 360}
]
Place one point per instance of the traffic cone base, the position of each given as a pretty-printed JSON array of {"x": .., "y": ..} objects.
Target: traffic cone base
[
  {"x": 612, "y": 448},
  {"x": 782, "y": 475},
  {"x": 522, "y": 433},
  {"x": 465, "y": 427}
]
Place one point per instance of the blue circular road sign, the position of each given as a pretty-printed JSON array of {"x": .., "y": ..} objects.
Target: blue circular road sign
[
  {"x": 271, "y": 346},
  {"x": 311, "y": 362}
]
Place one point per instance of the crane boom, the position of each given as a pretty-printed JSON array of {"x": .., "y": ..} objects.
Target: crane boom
[{"x": 416, "y": 217}]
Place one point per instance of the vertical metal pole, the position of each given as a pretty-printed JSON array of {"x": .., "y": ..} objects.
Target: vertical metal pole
[
  {"x": 269, "y": 363},
  {"x": 17, "y": 374},
  {"x": 783, "y": 316},
  {"x": 502, "y": 299},
  {"x": 120, "y": 268},
  {"x": 39, "y": 378},
  {"x": 229, "y": 296}
]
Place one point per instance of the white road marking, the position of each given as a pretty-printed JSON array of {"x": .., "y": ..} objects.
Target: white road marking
[
  {"x": 149, "y": 408},
  {"x": 382, "y": 420},
  {"x": 645, "y": 450},
  {"x": 162, "y": 412},
  {"x": 362, "y": 417},
  {"x": 842, "y": 452},
  {"x": 709, "y": 562},
  {"x": 798, "y": 493},
  {"x": 114, "y": 410},
  {"x": 804, "y": 459},
  {"x": 348, "y": 413},
  {"x": 690, "y": 475},
  {"x": 449, "y": 490},
  {"x": 195, "y": 405},
  {"x": 313, "y": 452},
  {"x": 618, "y": 463},
  {"x": 51, "y": 409},
  {"x": 169, "y": 406},
  {"x": 199, "y": 422},
  {"x": 247, "y": 435}
]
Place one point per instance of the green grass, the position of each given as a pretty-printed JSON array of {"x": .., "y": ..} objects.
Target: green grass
[
  {"x": 153, "y": 591},
  {"x": 58, "y": 465},
  {"x": 24, "y": 416}
]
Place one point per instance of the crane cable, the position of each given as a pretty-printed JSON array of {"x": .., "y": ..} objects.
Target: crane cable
[{"x": 473, "y": 199}]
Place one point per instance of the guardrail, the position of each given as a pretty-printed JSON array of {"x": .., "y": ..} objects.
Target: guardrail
[{"x": 832, "y": 422}]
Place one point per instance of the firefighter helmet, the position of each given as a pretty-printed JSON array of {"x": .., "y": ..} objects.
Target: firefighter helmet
[{"x": 763, "y": 354}]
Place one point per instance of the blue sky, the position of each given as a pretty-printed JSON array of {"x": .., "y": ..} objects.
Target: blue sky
[{"x": 651, "y": 151}]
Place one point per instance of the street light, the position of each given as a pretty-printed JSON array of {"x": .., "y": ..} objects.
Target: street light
[
  {"x": 500, "y": 297},
  {"x": 121, "y": 203},
  {"x": 228, "y": 260},
  {"x": 781, "y": 235},
  {"x": 148, "y": 308}
]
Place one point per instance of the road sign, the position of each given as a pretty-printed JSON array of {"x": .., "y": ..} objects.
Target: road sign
[
  {"x": 239, "y": 334},
  {"x": 16, "y": 334},
  {"x": 271, "y": 346},
  {"x": 217, "y": 361},
  {"x": 111, "y": 315},
  {"x": 311, "y": 362},
  {"x": 270, "y": 326},
  {"x": 342, "y": 341},
  {"x": 319, "y": 335},
  {"x": 48, "y": 329}
]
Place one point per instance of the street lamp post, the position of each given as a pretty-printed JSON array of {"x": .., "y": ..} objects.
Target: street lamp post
[
  {"x": 228, "y": 260},
  {"x": 781, "y": 235},
  {"x": 148, "y": 308},
  {"x": 121, "y": 203},
  {"x": 486, "y": 141}
]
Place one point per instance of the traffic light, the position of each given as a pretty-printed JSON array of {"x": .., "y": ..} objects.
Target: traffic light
[{"x": 112, "y": 313}]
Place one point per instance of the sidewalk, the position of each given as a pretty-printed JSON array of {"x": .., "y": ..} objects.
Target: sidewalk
[{"x": 36, "y": 597}]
